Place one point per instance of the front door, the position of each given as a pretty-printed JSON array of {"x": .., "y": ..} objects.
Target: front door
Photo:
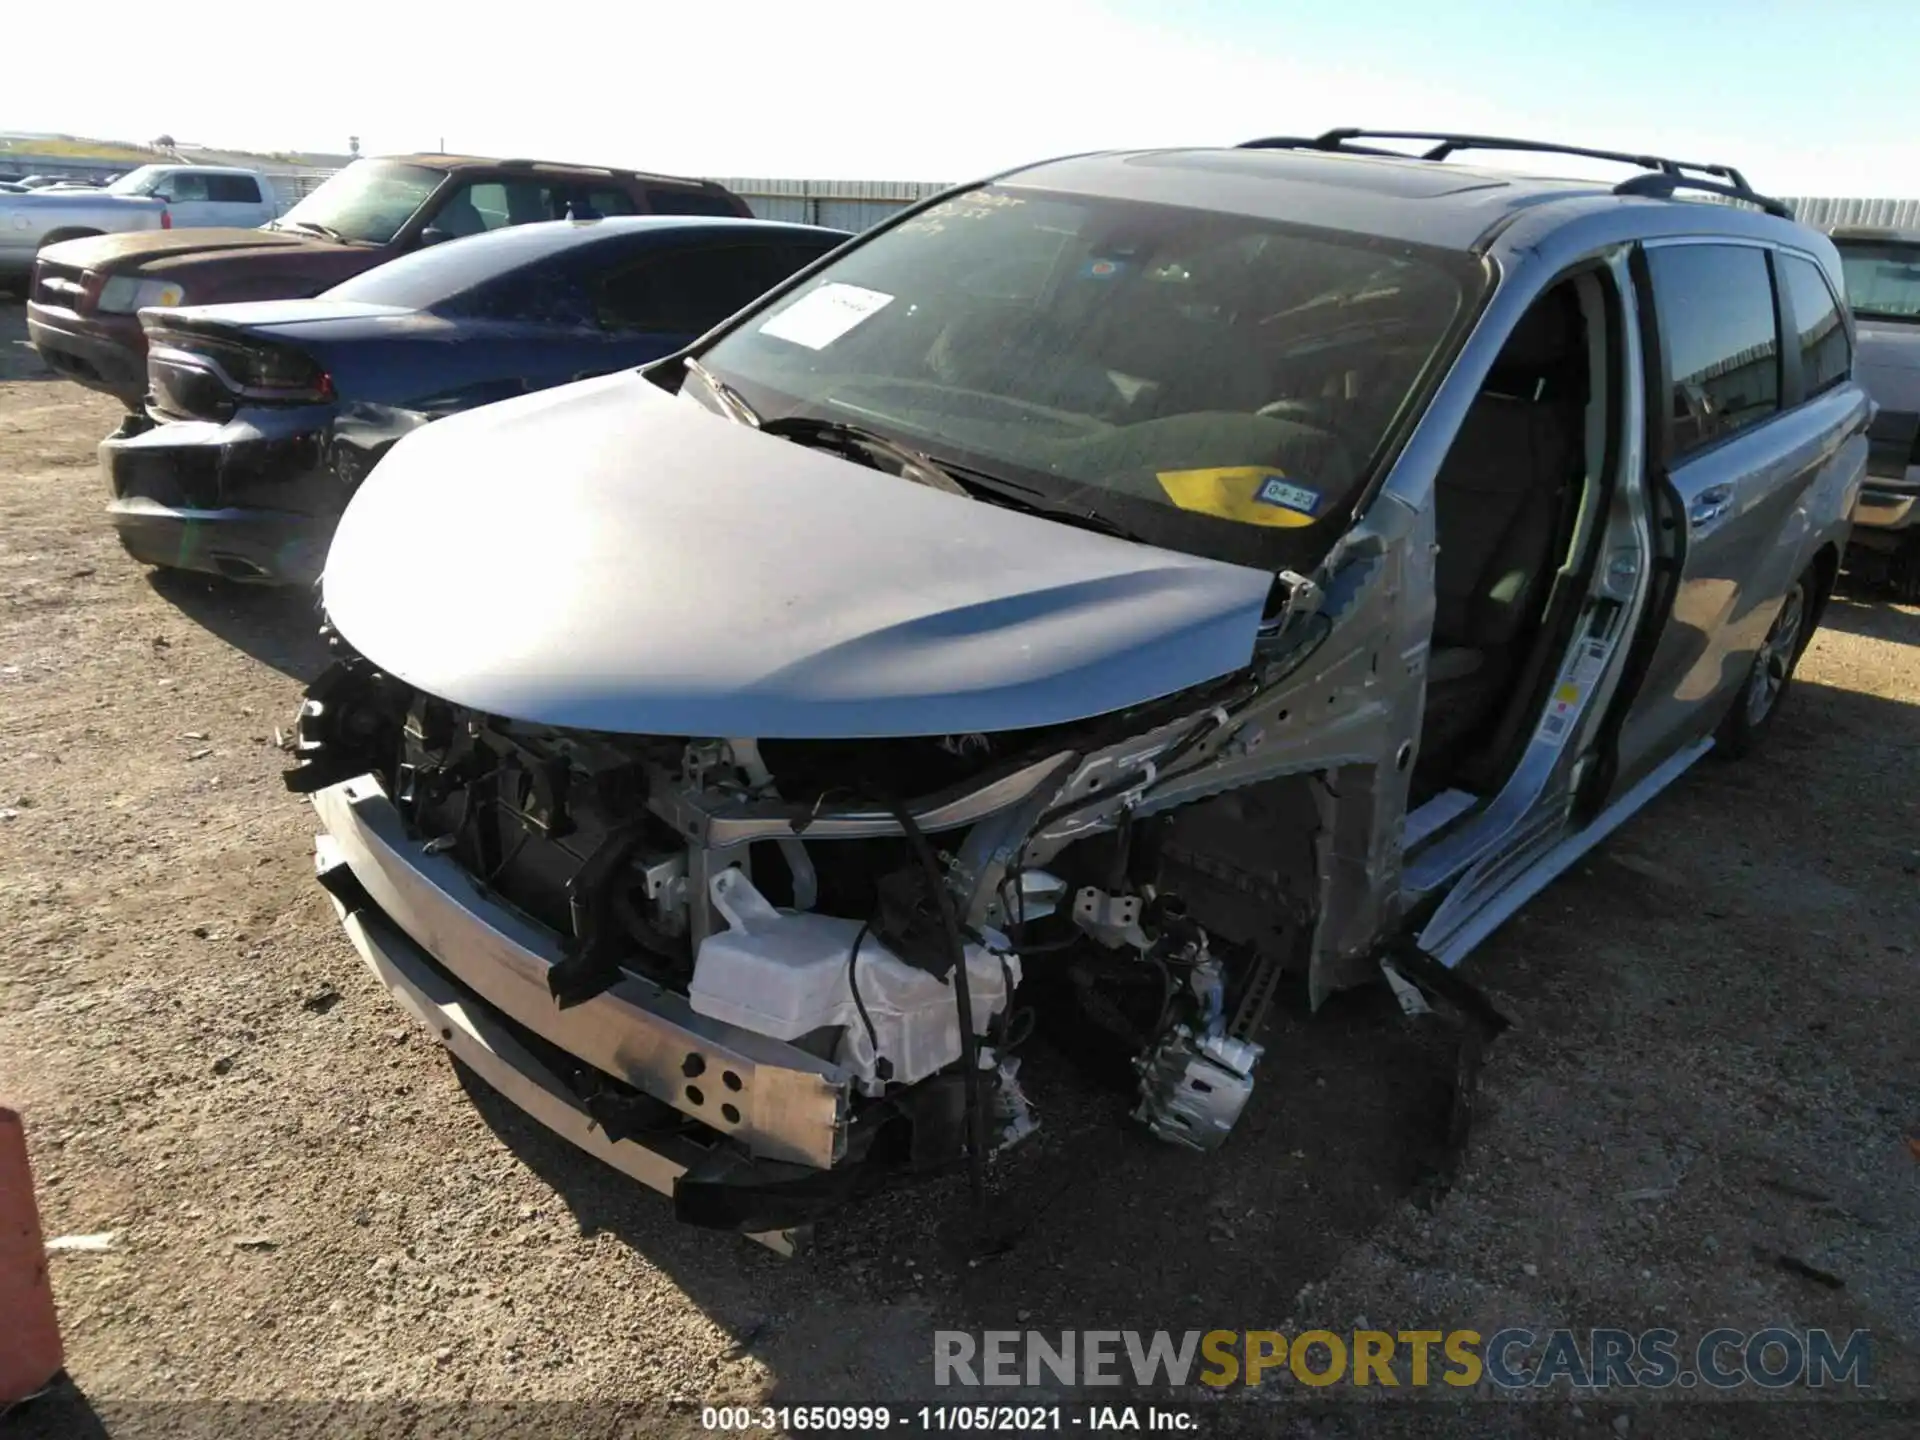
[{"x": 187, "y": 198}]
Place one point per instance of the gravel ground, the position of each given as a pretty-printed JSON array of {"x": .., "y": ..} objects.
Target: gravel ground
[{"x": 1713, "y": 1069}]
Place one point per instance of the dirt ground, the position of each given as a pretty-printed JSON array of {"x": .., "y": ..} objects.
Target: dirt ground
[{"x": 1713, "y": 1068}]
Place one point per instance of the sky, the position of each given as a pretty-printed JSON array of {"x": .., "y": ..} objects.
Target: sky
[{"x": 1793, "y": 92}]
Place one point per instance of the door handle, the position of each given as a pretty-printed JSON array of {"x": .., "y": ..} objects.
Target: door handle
[{"x": 1710, "y": 507}]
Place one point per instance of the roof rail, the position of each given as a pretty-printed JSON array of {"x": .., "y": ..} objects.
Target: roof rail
[
  {"x": 1660, "y": 186},
  {"x": 1663, "y": 178}
]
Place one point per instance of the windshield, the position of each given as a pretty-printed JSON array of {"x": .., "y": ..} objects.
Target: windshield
[
  {"x": 1883, "y": 279},
  {"x": 368, "y": 201},
  {"x": 1217, "y": 383},
  {"x": 139, "y": 182}
]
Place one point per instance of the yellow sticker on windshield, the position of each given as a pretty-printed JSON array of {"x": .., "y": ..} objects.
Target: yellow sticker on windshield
[{"x": 1250, "y": 494}]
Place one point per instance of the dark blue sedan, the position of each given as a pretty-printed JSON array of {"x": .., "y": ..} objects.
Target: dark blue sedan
[{"x": 262, "y": 418}]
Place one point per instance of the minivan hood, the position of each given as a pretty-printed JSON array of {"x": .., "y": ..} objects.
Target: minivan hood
[{"x": 606, "y": 556}]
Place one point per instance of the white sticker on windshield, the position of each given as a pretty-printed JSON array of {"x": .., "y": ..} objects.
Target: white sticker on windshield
[{"x": 819, "y": 319}]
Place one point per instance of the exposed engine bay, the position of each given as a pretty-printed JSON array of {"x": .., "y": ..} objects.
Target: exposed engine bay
[{"x": 908, "y": 910}]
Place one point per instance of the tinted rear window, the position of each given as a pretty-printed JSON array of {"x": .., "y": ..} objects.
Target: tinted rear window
[
  {"x": 690, "y": 202},
  {"x": 687, "y": 291},
  {"x": 233, "y": 189},
  {"x": 1721, "y": 338},
  {"x": 1826, "y": 355},
  {"x": 429, "y": 277}
]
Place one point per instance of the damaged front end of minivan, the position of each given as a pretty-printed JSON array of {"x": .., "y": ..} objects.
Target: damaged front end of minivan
[{"x": 757, "y": 972}]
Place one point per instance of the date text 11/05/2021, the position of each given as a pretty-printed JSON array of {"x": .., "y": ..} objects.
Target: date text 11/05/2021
[{"x": 940, "y": 1419}]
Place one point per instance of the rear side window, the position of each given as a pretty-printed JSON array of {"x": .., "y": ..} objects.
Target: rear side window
[
  {"x": 1826, "y": 355},
  {"x": 686, "y": 292},
  {"x": 233, "y": 189},
  {"x": 689, "y": 202},
  {"x": 539, "y": 294},
  {"x": 602, "y": 201},
  {"x": 1718, "y": 326}
]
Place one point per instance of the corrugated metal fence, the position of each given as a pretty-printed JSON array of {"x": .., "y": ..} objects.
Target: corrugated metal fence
[
  {"x": 857, "y": 204},
  {"x": 843, "y": 204},
  {"x": 1824, "y": 211}
]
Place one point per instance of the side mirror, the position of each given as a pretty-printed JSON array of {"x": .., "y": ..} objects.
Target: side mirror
[
  {"x": 434, "y": 235},
  {"x": 163, "y": 197}
]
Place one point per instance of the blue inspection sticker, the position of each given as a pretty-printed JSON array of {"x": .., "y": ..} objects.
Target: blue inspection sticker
[
  {"x": 1102, "y": 269},
  {"x": 1278, "y": 490}
]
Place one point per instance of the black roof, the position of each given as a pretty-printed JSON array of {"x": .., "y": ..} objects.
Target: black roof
[{"x": 1343, "y": 185}]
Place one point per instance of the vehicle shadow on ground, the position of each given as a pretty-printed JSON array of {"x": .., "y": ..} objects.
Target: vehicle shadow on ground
[
  {"x": 61, "y": 1412},
  {"x": 278, "y": 626},
  {"x": 1857, "y": 610},
  {"x": 1090, "y": 1222},
  {"x": 18, "y": 359}
]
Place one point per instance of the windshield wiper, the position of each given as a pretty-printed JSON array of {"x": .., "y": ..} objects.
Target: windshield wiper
[
  {"x": 914, "y": 464},
  {"x": 925, "y": 469},
  {"x": 1038, "y": 502},
  {"x": 729, "y": 398},
  {"x": 325, "y": 231},
  {"x": 950, "y": 475}
]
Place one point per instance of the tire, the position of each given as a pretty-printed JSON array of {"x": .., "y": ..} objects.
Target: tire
[{"x": 1771, "y": 675}]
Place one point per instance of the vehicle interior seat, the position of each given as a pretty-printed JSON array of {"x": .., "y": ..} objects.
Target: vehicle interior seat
[
  {"x": 1500, "y": 499},
  {"x": 1182, "y": 341},
  {"x": 460, "y": 217}
]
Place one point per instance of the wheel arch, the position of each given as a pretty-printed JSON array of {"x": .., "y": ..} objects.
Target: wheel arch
[
  {"x": 1825, "y": 567},
  {"x": 71, "y": 232}
]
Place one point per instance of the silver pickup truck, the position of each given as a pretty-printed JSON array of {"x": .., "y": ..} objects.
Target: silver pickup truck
[
  {"x": 153, "y": 197},
  {"x": 1882, "y": 269}
]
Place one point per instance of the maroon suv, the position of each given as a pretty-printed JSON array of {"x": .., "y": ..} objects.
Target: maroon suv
[{"x": 83, "y": 304}]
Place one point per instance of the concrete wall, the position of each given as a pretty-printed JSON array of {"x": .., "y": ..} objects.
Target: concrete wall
[{"x": 16, "y": 162}]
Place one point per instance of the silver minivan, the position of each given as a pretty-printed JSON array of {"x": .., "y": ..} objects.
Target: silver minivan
[{"x": 1118, "y": 596}]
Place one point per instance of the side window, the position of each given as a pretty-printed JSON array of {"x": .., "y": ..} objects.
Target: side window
[
  {"x": 688, "y": 202},
  {"x": 233, "y": 189},
  {"x": 1826, "y": 355},
  {"x": 1722, "y": 340},
  {"x": 185, "y": 185},
  {"x": 542, "y": 293},
  {"x": 685, "y": 292},
  {"x": 494, "y": 204},
  {"x": 603, "y": 200}
]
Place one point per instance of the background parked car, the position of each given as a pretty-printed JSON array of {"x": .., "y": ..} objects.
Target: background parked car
[
  {"x": 154, "y": 197},
  {"x": 264, "y": 417},
  {"x": 1882, "y": 270},
  {"x": 81, "y": 307}
]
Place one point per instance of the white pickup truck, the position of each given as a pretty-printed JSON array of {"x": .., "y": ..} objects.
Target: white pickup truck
[{"x": 153, "y": 197}]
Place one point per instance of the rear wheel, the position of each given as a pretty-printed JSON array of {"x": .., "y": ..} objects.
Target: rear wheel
[{"x": 1766, "y": 686}]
